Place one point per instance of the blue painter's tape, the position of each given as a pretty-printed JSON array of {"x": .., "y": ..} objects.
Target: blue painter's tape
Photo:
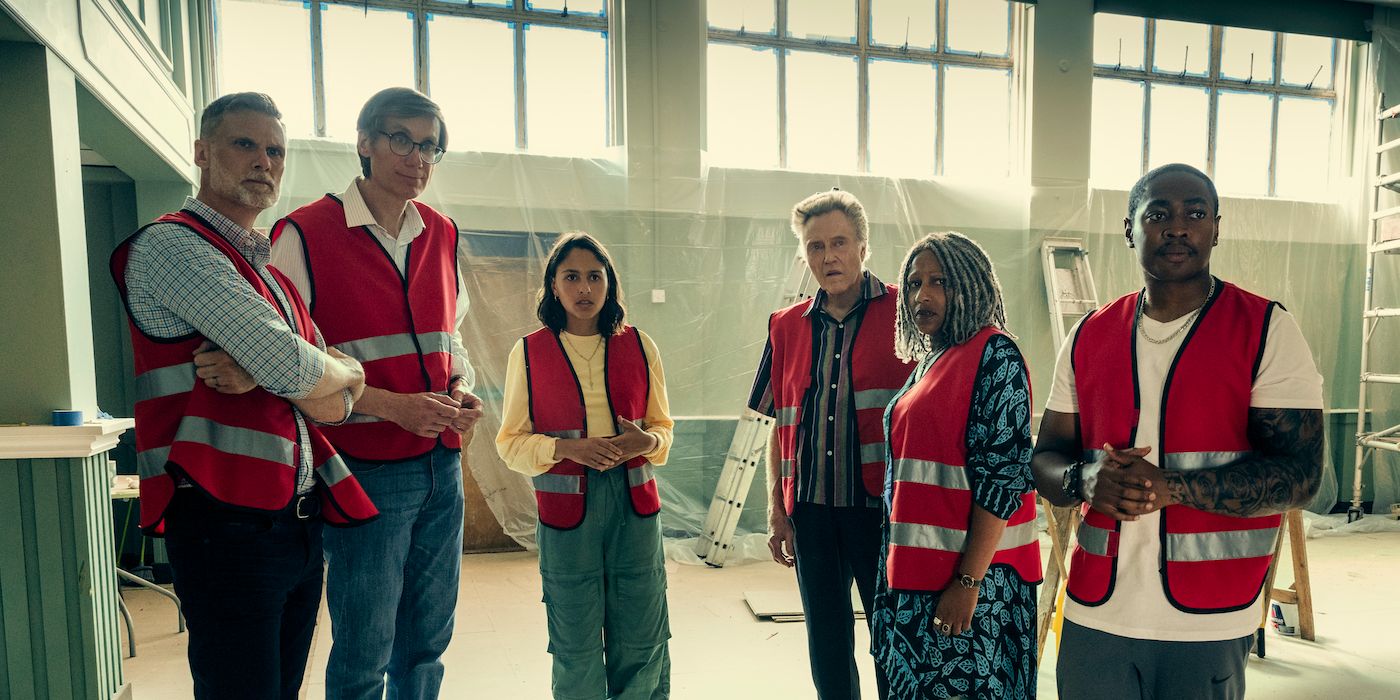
[{"x": 67, "y": 417}]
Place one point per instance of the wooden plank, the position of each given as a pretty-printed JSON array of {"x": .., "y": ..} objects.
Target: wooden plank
[
  {"x": 16, "y": 661},
  {"x": 1061, "y": 526},
  {"x": 1301, "y": 583}
]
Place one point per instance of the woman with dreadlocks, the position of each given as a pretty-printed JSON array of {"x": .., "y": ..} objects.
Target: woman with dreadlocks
[{"x": 954, "y": 614}]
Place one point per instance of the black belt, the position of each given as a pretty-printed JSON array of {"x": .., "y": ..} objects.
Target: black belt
[{"x": 305, "y": 507}]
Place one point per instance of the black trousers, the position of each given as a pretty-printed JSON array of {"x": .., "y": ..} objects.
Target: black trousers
[
  {"x": 836, "y": 546},
  {"x": 250, "y": 587}
]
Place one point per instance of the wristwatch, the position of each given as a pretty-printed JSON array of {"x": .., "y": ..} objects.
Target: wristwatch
[
  {"x": 968, "y": 582},
  {"x": 1073, "y": 482}
]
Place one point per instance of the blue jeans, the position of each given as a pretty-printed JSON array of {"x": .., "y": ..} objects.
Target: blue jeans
[{"x": 391, "y": 585}]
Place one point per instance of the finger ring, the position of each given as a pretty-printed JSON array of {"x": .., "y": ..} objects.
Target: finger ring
[
  {"x": 947, "y": 628},
  {"x": 937, "y": 622}
]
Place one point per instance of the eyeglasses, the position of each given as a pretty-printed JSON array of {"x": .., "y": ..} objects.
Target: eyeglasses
[{"x": 402, "y": 145}]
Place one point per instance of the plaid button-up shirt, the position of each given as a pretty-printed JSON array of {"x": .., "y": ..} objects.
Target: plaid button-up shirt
[{"x": 178, "y": 284}]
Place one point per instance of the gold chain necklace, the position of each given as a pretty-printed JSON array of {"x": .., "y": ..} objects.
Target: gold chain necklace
[
  {"x": 588, "y": 359},
  {"x": 1180, "y": 329}
]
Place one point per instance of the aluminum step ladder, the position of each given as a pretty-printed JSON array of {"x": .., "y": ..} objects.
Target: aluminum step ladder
[
  {"x": 747, "y": 451},
  {"x": 1070, "y": 293},
  {"x": 1382, "y": 238}
]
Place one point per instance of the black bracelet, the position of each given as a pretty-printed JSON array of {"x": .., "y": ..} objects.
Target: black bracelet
[{"x": 1073, "y": 482}]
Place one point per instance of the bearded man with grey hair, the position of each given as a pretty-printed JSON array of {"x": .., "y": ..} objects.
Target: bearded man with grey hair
[{"x": 827, "y": 373}]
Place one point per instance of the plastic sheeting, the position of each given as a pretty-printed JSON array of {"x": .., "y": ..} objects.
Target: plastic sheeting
[{"x": 716, "y": 242}]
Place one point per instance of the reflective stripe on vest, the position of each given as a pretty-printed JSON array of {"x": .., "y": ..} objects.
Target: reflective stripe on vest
[
  {"x": 386, "y": 346},
  {"x": 1213, "y": 546},
  {"x": 240, "y": 450},
  {"x": 557, "y": 410},
  {"x": 1097, "y": 540},
  {"x": 397, "y": 323},
  {"x": 165, "y": 381},
  {"x": 151, "y": 462},
  {"x": 559, "y": 483},
  {"x": 876, "y": 375},
  {"x": 1212, "y": 563},
  {"x": 951, "y": 540},
  {"x": 637, "y": 476},
  {"x": 874, "y": 398},
  {"x": 922, "y": 471},
  {"x": 232, "y": 440},
  {"x": 929, "y": 490}
]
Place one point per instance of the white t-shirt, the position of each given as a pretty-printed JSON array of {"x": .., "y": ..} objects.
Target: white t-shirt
[{"x": 1139, "y": 608}]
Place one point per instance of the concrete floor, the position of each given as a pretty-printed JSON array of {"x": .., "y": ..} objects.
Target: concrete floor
[{"x": 719, "y": 651}]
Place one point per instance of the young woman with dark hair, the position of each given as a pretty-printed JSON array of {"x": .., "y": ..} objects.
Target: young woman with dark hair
[{"x": 586, "y": 416}]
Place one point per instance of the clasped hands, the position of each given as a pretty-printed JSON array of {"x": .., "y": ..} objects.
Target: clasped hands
[
  {"x": 603, "y": 454},
  {"x": 1123, "y": 485},
  {"x": 428, "y": 414}
]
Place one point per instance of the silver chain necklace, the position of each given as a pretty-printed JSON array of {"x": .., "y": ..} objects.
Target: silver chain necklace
[{"x": 1180, "y": 329}]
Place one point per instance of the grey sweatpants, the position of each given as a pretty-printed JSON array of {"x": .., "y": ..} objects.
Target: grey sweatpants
[{"x": 1095, "y": 665}]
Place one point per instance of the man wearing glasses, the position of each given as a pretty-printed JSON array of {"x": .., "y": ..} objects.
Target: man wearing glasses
[{"x": 379, "y": 271}]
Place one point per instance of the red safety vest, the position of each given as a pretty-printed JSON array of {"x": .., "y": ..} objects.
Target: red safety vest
[
  {"x": 1210, "y": 563},
  {"x": 929, "y": 491},
  {"x": 557, "y": 409},
  {"x": 399, "y": 327},
  {"x": 876, "y": 375},
  {"x": 241, "y": 450}
]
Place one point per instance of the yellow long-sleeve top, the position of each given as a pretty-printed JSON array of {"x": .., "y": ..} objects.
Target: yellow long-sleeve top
[{"x": 532, "y": 454}]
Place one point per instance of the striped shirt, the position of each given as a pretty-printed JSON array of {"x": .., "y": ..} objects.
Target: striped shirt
[
  {"x": 178, "y": 284},
  {"x": 828, "y": 444}
]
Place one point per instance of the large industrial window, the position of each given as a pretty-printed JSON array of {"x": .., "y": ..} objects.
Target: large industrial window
[
  {"x": 510, "y": 74},
  {"x": 895, "y": 87},
  {"x": 1251, "y": 108}
]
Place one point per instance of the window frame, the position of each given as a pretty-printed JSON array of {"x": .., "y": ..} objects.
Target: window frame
[
  {"x": 517, "y": 15},
  {"x": 1214, "y": 84},
  {"x": 863, "y": 50}
]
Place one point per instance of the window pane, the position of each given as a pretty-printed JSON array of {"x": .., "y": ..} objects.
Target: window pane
[
  {"x": 748, "y": 15},
  {"x": 471, "y": 65},
  {"x": 1243, "y": 125},
  {"x": 1247, "y": 53},
  {"x": 1181, "y": 45},
  {"x": 365, "y": 52},
  {"x": 829, "y": 20},
  {"x": 821, "y": 112},
  {"x": 1116, "y": 148},
  {"x": 583, "y": 7},
  {"x": 1305, "y": 57},
  {"x": 1304, "y": 131},
  {"x": 894, "y": 21},
  {"x": 493, "y": 3},
  {"x": 979, "y": 26},
  {"x": 246, "y": 29},
  {"x": 1119, "y": 38},
  {"x": 742, "y": 106},
  {"x": 1178, "y": 132},
  {"x": 902, "y": 125},
  {"x": 976, "y": 122},
  {"x": 566, "y": 90}
]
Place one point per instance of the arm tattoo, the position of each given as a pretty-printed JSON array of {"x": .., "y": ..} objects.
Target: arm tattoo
[{"x": 1283, "y": 473}]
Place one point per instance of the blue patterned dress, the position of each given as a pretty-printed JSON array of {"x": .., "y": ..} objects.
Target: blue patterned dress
[{"x": 996, "y": 659}]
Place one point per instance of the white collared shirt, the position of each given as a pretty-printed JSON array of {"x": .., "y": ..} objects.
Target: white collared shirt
[{"x": 289, "y": 256}]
